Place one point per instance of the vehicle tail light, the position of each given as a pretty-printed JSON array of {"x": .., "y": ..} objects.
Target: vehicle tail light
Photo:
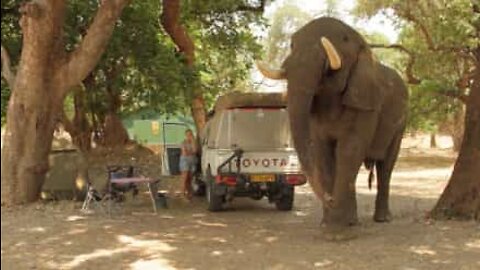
[
  {"x": 226, "y": 179},
  {"x": 296, "y": 179}
]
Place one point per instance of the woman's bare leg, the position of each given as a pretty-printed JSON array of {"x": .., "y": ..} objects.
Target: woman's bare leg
[
  {"x": 184, "y": 176},
  {"x": 188, "y": 185}
]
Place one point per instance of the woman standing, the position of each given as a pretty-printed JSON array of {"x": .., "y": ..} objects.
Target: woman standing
[{"x": 188, "y": 163}]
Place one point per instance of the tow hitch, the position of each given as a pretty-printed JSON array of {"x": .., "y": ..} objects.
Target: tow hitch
[{"x": 238, "y": 153}]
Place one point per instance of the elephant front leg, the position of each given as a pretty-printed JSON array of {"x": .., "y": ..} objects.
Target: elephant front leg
[
  {"x": 325, "y": 172},
  {"x": 349, "y": 157}
]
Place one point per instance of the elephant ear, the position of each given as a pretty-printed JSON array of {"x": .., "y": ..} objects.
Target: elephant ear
[{"x": 363, "y": 89}]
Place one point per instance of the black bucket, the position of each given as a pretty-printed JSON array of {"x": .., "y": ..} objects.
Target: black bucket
[{"x": 161, "y": 200}]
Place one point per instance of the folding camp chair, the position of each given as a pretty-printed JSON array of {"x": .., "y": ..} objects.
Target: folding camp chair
[
  {"x": 118, "y": 190},
  {"x": 112, "y": 192},
  {"x": 93, "y": 197}
]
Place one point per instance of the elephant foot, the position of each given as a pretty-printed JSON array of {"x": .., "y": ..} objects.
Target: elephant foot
[
  {"x": 339, "y": 234},
  {"x": 382, "y": 216}
]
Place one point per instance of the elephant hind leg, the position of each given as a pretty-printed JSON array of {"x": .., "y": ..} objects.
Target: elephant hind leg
[{"x": 384, "y": 172}]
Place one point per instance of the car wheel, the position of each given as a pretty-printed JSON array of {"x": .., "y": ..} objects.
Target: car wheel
[
  {"x": 285, "y": 202},
  {"x": 215, "y": 202}
]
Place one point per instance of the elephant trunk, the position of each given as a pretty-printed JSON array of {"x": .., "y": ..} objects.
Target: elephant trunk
[
  {"x": 299, "y": 109},
  {"x": 299, "y": 114}
]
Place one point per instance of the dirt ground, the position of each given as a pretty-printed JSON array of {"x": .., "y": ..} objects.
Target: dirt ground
[{"x": 249, "y": 234}]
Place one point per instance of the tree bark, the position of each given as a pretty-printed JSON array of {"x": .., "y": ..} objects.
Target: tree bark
[
  {"x": 433, "y": 140},
  {"x": 461, "y": 197},
  {"x": 45, "y": 75},
  {"x": 7, "y": 72},
  {"x": 458, "y": 129},
  {"x": 79, "y": 128},
  {"x": 170, "y": 20},
  {"x": 115, "y": 133}
]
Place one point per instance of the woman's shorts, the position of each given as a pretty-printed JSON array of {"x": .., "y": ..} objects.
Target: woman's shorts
[{"x": 188, "y": 163}]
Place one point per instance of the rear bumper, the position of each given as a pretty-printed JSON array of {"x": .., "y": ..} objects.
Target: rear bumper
[{"x": 242, "y": 180}]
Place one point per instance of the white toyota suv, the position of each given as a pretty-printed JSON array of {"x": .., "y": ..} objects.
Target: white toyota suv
[{"x": 247, "y": 151}]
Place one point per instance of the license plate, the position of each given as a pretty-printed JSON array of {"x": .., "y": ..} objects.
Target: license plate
[{"x": 262, "y": 178}]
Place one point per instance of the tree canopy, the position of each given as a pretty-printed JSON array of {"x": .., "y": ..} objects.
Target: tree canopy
[{"x": 437, "y": 39}]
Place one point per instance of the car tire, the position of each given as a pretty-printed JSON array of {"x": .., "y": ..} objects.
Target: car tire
[
  {"x": 215, "y": 202},
  {"x": 285, "y": 202}
]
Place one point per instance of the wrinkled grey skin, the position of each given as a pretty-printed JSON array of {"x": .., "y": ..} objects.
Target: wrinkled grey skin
[{"x": 340, "y": 119}]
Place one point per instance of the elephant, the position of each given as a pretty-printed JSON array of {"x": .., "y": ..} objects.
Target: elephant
[{"x": 345, "y": 109}]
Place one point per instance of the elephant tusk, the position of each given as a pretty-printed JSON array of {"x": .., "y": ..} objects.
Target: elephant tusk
[
  {"x": 274, "y": 74},
  {"x": 332, "y": 54}
]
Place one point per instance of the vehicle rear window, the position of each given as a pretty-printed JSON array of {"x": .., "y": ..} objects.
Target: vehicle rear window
[{"x": 252, "y": 128}]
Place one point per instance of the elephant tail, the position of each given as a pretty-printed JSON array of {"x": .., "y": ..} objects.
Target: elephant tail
[{"x": 370, "y": 165}]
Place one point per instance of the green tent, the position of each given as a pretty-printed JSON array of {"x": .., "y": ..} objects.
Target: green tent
[{"x": 150, "y": 128}]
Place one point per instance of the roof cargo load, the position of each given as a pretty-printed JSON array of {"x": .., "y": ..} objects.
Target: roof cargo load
[{"x": 239, "y": 100}]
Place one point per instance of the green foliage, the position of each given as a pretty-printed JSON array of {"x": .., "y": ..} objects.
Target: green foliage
[
  {"x": 5, "y": 95},
  {"x": 391, "y": 58},
  {"x": 285, "y": 21},
  {"x": 225, "y": 44},
  {"x": 427, "y": 108},
  {"x": 439, "y": 35},
  {"x": 11, "y": 40},
  {"x": 141, "y": 63}
]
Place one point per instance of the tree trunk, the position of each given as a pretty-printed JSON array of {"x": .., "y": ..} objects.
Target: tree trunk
[
  {"x": 45, "y": 75},
  {"x": 433, "y": 140},
  {"x": 458, "y": 128},
  {"x": 461, "y": 197},
  {"x": 115, "y": 133},
  {"x": 35, "y": 100},
  {"x": 171, "y": 22},
  {"x": 79, "y": 128}
]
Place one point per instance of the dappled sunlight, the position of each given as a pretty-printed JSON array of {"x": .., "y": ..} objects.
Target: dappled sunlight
[
  {"x": 128, "y": 245},
  {"x": 83, "y": 258},
  {"x": 211, "y": 224},
  {"x": 439, "y": 173},
  {"x": 75, "y": 218},
  {"x": 198, "y": 215},
  {"x": 251, "y": 234},
  {"x": 323, "y": 263},
  {"x": 147, "y": 245},
  {"x": 475, "y": 244},
  {"x": 33, "y": 230},
  {"x": 75, "y": 231},
  {"x": 300, "y": 213},
  {"x": 271, "y": 239},
  {"x": 423, "y": 250},
  {"x": 216, "y": 253},
  {"x": 152, "y": 264},
  {"x": 219, "y": 239},
  {"x": 440, "y": 261}
]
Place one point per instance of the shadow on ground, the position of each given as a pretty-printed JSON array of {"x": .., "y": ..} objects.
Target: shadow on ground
[{"x": 248, "y": 235}]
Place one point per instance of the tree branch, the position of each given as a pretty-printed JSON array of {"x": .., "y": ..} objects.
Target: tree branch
[
  {"x": 85, "y": 57},
  {"x": 11, "y": 11},
  {"x": 7, "y": 72},
  {"x": 170, "y": 21},
  {"x": 411, "y": 79},
  {"x": 455, "y": 94},
  {"x": 407, "y": 14}
]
